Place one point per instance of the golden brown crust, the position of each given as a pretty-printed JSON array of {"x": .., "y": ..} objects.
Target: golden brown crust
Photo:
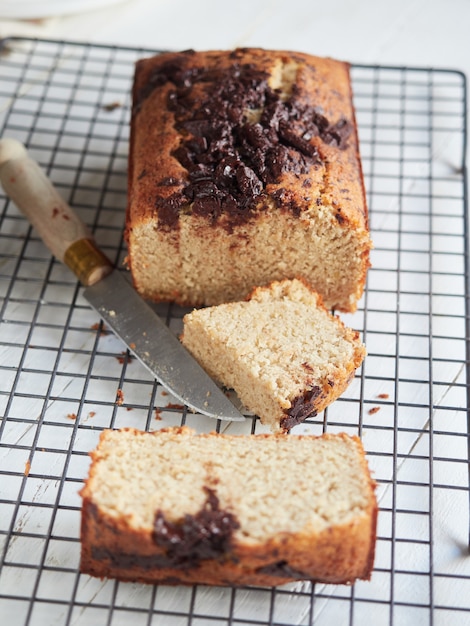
[
  {"x": 342, "y": 553},
  {"x": 338, "y": 557},
  {"x": 289, "y": 204}
]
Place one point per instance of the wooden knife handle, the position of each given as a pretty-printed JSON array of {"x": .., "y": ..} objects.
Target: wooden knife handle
[{"x": 63, "y": 232}]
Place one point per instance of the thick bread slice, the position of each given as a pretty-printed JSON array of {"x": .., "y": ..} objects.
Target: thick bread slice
[
  {"x": 176, "y": 507},
  {"x": 284, "y": 354}
]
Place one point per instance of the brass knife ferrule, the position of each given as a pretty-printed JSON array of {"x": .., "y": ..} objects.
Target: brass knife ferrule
[{"x": 87, "y": 261}]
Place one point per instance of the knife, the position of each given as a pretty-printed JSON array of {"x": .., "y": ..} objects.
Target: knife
[{"x": 106, "y": 289}]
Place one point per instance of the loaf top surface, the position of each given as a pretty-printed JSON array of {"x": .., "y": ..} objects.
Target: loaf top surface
[
  {"x": 226, "y": 134},
  {"x": 265, "y": 484}
]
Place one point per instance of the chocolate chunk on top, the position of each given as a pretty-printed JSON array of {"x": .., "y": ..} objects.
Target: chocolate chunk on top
[{"x": 238, "y": 136}]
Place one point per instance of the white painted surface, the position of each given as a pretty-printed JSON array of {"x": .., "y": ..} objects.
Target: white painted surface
[{"x": 406, "y": 32}]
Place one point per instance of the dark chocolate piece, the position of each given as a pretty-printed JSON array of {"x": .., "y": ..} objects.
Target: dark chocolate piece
[
  {"x": 230, "y": 158},
  {"x": 302, "y": 407},
  {"x": 206, "y": 535}
]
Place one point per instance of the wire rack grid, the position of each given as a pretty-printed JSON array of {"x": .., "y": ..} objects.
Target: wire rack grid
[{"x": 64, "y": 377}]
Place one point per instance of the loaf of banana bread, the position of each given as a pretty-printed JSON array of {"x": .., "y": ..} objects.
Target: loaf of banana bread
[{"x": 244, "y": 168}]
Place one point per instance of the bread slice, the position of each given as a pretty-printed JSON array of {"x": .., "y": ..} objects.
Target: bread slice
[
  {"x": 175, "y": 507},
  {"x": 244, "y": 168},
  {"x": 283, "y": 353}
]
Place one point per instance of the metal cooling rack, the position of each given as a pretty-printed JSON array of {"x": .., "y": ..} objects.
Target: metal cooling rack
[{"x": 60, "y": 371}]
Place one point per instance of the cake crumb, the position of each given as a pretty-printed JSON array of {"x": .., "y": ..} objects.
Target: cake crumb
[
  {"x": 112, "y": 106},
  {"x": 101, "y": 327},
  {"x": 72, "y": 416},
  {"x": 27, "y": 467},
  {"x": 384, "y": 396},
  {"x": 124, "y": 358},
  {"x": 119, "y": 397},
  {"x": 374, "y": 409},
  {"x": 158, "y": 414}
]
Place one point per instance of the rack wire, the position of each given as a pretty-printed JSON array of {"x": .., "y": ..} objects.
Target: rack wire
[{"x": 62, "y": 373}]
